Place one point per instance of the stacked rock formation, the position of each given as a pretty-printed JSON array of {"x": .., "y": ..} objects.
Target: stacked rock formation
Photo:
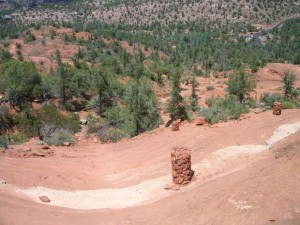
[
  {"x": 277, "y": 108},
  {"x": 181, "y": 166}
]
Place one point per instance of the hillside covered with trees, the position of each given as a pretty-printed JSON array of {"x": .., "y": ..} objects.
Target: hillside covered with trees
[
  {"x": 144, "y": 12},
  {"x": 120, "y": 68}
]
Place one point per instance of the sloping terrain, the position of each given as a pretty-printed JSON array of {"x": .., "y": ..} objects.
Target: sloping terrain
[
  {"x": 165, "y": 12},
  {"x": 243, "y": 184}
]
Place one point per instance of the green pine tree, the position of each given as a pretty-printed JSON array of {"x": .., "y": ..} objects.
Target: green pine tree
[
  {"x": 176, "y": 106},
  {"x": 194, "y": 96}
]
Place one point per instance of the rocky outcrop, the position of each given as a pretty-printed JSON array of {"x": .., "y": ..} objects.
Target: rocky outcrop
[{"x": 181, "y": 166}]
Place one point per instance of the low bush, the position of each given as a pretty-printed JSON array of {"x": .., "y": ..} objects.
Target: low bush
[
  {"x": 49, "y": 114},
  {"x": 289, "y": 104},
  {"x": 112, "y": 134},
  {"x": 58, "y": 138},
  {"x": 222, "y": 109},
  {"x": 27, "y": 124},
  {"x": 214, "y": 115},
  {"x": 6, "y": 120},
  {"x": 251, "y": 103},
  {"x": 93, "y": 123},
  {"x": 46, "y": 120},
  {"x": 3, "y": 142},
  {"x": 16, "y": 139},
  {"x": 267, "y": 101},
  {"x": 29, "y": 37}
]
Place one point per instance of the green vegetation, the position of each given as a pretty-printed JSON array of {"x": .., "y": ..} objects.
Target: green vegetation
[
  {"x": 94, "y": 123},
  {"x": 143, "y": 12},
  {"x": 222, "y": 109},
  {"x": 44, "y": 121},
  {"x": 288, "y": 85},
  {"x": 59, "y": 137},
  {"x": 3, "y": 142},
  {"x": 120, "y": 84},
  {"x": 112, "y": 134},
  {"x": 288, "y": 99},
  {"x": 268, "y": 100},
  {"x": 176, "y": 105},
  {"x": 22, "y": 82},
  {"x": 240, "y": 84},
  {"x": 6, "y": 120},
  {"x": 194, "y": 96}
]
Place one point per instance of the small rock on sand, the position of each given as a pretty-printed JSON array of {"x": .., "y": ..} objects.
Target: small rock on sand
[
  {"x": 168, "y": 186},
  {"x": 67, "y": 144},
  {"x": 2, "y": 181},
  {"x": 45, "y": 147},
  {"x": 44, "y": 199}
]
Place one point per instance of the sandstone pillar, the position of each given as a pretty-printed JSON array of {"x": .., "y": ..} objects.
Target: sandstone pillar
[
  {"x": 181, "y": 166},
  {"x": 277, "y": 108}
]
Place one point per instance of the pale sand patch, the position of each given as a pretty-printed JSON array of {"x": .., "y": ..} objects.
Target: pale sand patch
[
  {"x": 283, "y": 132},
  {"x": 217, "y": 164}
]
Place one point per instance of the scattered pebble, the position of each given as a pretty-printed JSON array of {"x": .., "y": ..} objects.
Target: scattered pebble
[{"x": 168, "y": 186}]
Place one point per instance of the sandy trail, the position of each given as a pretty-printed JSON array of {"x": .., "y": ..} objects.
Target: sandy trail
[{"x": 219, "y": 163}]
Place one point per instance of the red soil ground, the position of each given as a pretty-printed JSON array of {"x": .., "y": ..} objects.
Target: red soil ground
[
  {"x": 268, "y": 80},
  {"x": 263, "y": 189},
  {"x": 42, "y": 55}
]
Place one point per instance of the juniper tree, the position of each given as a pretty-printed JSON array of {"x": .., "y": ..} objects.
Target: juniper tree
[
  {"x": 62, "y": 74},
  {"x": 103, "y": 89},
  {"x": 22, "y": 82},
  {"x": 176, "y": 106},
  {"x": 194, "y": 96},
  {"x": 288, "y": 80},
  {"x": 240, "y": 84}
]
